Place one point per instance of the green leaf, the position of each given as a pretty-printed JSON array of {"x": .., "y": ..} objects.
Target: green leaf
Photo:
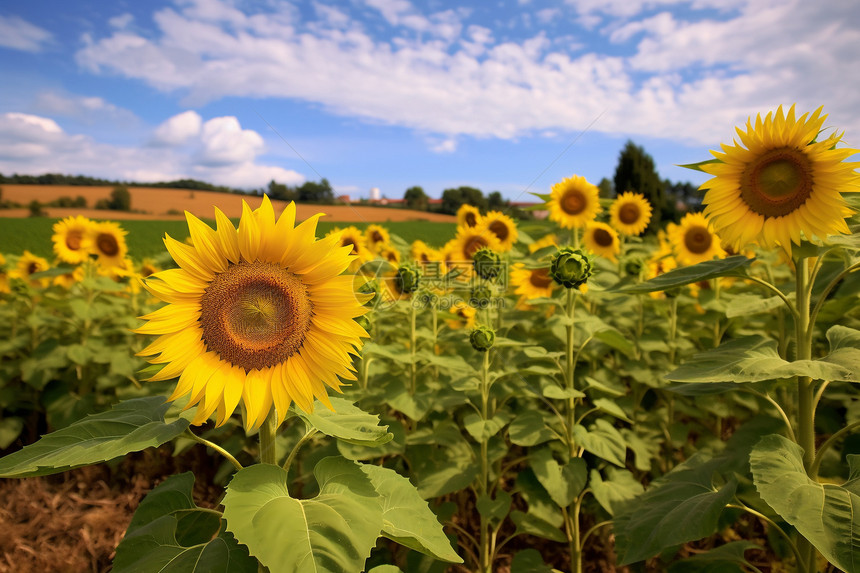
[
  {"x": 603, "y": 440},
  {"x": 749, "y": 304},
  {"x": 385, "y": 569},
  {"x": 482, "y": 430},
  {"x": 698, "y": 166},
  {"x": 529, "y": 561},
  {"x": 331, "y": 533},
  {"x": 79, "y": 354},
  {"x": 170, "y": 534},
  {"x": 348, "y": 423},
  {"x": 495, "y": 509},
  {"x": 755, "y": 358},
  {"x": 406, "y": 517},
  {"x": 528, "y": 524},
  {"x": 129, "y": 426},
  {"x": 529, "y": 429},
  {"x": 10, "y": 429},
  {"x": 730, "y": 266},
  {"x": 440, "y": 471},
  {"x": 723, "y": 559},
  {"x": 612, "y": 408},
  {"x": 618, "y": 489},
  {"x": 827, "y": 515},
  {"x": 563, "y": 483},
  {"x": 559, "y": 393}
]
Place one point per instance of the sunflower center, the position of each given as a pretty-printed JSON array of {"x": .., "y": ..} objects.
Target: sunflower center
[
  {"x": 629, "y": 213},
  {"x": 107, "y": 244},
  {"x": 391, "y": 256},
  {"x": 376, "y": 237},
  {"x": 350, "y": 243},
  {"x": 539, "y": 278},
  {"x": 32, "y": 268},
  {"x": 471, "y": 220},
  {"x": 500, "y": 230},
  {"x": 255, "y": 315},
  {"x": 602, "y": 237},
  {"x": 73, "y": 240},
  {"x": 698, "y": 240},
  {"x": 473, "y": 245},
  {"x": 573, "y": 202},
  {"x": 777, "y": 183}
]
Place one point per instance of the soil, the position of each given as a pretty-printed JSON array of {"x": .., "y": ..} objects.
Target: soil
[{"x": 168, "y": 204}]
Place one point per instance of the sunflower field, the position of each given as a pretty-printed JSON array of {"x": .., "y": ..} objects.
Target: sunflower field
[{"x": 537, "y": 396}]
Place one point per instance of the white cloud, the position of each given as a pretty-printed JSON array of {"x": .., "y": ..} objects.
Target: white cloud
[
  {"x": 448, "y": 145},
  {"x": 87, "y": 109},
  {"x": 221, "y": 152},
  {"x": 121, "y": 21},
  {"x": 19, "y": 34},
  {"x": 687, "y": 77},
  {"x": 178, "y": 129}
]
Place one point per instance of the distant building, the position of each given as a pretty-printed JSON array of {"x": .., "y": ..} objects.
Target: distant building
[
  {"x": 374, "y": 194},
  {"x": 345, "y": 199}
]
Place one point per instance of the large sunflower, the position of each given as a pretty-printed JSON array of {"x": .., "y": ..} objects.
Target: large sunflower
[
  {"x": 468, "y": 216},
  {"x": 470, "y": 240},
  {"x": 601, "y": 239},
  {"x": 107, "y": 240},
  {"x": 693, "y": 240},
  {"x": 573, "y": 202},
  {"x": 70, "y": 239},
  {"x": 778, "y": 183},
  {"x": 531, "y": 283},
  {"x": 261, "y": 315},
  {"x": 503, "y": 227},
  {"x": 630, "y": 213}
]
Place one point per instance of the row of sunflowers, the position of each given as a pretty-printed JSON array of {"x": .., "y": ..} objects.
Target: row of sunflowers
[{"x": 567, "y": 395}]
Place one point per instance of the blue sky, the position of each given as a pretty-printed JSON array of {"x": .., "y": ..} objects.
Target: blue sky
[{"x": 508, "y": 95}]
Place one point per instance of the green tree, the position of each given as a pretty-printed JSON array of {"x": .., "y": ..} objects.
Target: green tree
[
  {"x": 452, "y": 199},
  {"x": 495, "y": 202},
  {"x": 606, "y": 188},
  {"x": 416, "y": 198},
  {"x": 120, "y": 199},
  {"x": 313, "y": 192},
  {"x": 36, "y": 209},
  {"x": 281, "y": 191},
  {"x": 636, "y": 172}
]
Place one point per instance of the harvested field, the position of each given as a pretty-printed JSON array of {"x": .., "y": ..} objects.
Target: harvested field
[{"x": 166, "y": 204}]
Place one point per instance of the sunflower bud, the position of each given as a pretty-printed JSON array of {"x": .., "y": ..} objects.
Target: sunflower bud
[
  {"x": 571, "y": 267},
  {"x": 488, "y": 263},
  {"x": 480, "y": 296},
  {"x": 634, "y": 267},
  {"x": 482, "y": 338},
  {"x": 407, "y": 279}
]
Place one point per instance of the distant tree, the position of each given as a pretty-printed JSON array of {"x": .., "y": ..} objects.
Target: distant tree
[
  {"x": 636, "y": 172},
  {"x": 280, "y": 191},
  {"x": 452, "y": 199},
  {"x": 416, "y": 198},
  {"x": 80, "y": 202},
  {"x": 313, "y": 192},
  {"x": 36, "y": 209},
  {"x": 606, "y": 188},
  {"x": 120, "y": 199},
  {"x": 495, "y": 202}
]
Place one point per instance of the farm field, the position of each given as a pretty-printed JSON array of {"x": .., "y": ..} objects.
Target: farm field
[{"x": 584, "y": 394}]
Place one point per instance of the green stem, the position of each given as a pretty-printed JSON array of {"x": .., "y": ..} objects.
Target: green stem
[
  {"x": 309, "y": 433},
  {"x": 816, "y": 463},
  {"x": 802, "y": 568},
  {"x": 412, "y": 342},
  {"x": 484, "y": 486},
  {"x": 568, "y": 373},
  {"x": 268, "y": 453},
  {"x": 777, "y": 292},
  {"x": 779, "y": 409},
  {"x": 673, "y": 329},
  {"x": 215, "y": 447}
]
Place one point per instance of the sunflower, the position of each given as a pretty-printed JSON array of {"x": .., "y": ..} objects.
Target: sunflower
[
  {"x": 573, "y": 202},
  {"x": 390, "y": 254},
  {"x": 779, "y": 182},
  {"x": 421, "y": 252},
  {"x": 147, "y": 267},
  {"x": 465, "y": 316},
  {"x": 259, "y": 314},
  {"x": 601, "y": 239},
  {"x": 531, "y": 283},
  {"x": 107, "y": 240},
  {"x": 29, "y": 264},
  {"x": 4, "y": 277},
  {"x": 543, "y": 242},
  {"x": 376, "y": 237},
  {"x": 693, "y": 240},
  {"x": 503, "y": 227},
  {"x": 69, "y": 279},
  {"x": 353, "y": 237},
  {"x": 630, "y": 213},
  {"x": 70, "y": 239},
  {"x": 470, "y": 240},
  {"x": 468, "y": 216}
]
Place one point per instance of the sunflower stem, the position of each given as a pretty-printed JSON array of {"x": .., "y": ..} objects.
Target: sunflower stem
[
  {"x": 215, "y": 447},
  {"x": 268, "y": 452},
  {"x": 568, "y": 373},
  {"x": 484, "y": 486}
]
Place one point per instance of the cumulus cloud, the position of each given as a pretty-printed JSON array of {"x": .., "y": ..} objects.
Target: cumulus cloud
[
  {"x": 684, "y": 75},
  {"x": 18, "y": 34},
  {"x": 86, "y": 109},
  {"x": 178, "y": 129},
  {"x": 220, "y": 151}
]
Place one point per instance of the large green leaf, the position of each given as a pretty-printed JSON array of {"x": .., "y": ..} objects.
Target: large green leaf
[
  {"x": 529, "y": 429},
  {"x": 728, "y": 558},
  {"x": 482, "y": 430},
  {"x": 603, "y": 440},
  {"x": 348, "y": 423},
  {"x": 528, "y": 524},
  {"x": 730, "y": 266},
  {"x": 827, "y": 515},
  {"x": 529, "y": 561},
  {"x": 616, "y": 491},
  {"x": 755, "y": 358},
  {"x": 406, "y": 517},
  {"x": 749, "y": 304},
  {"x": 563, "y": 483},
  {"x": 331, "y": 533},
  {"x": 170, "y": 534},
  {"x": 129, "y": 426},
  {"x": 442, "y": 470}
]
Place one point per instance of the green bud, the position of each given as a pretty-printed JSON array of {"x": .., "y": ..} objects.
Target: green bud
[
  {"x": 488, "y": 263},
  {"x": 407, "y": 279},
  {"x": 482, "y": 338},
  {"x": 571, "y": 267},
  {"x": 634, "y": 267},
  {"x": 481, "y": 296}
]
